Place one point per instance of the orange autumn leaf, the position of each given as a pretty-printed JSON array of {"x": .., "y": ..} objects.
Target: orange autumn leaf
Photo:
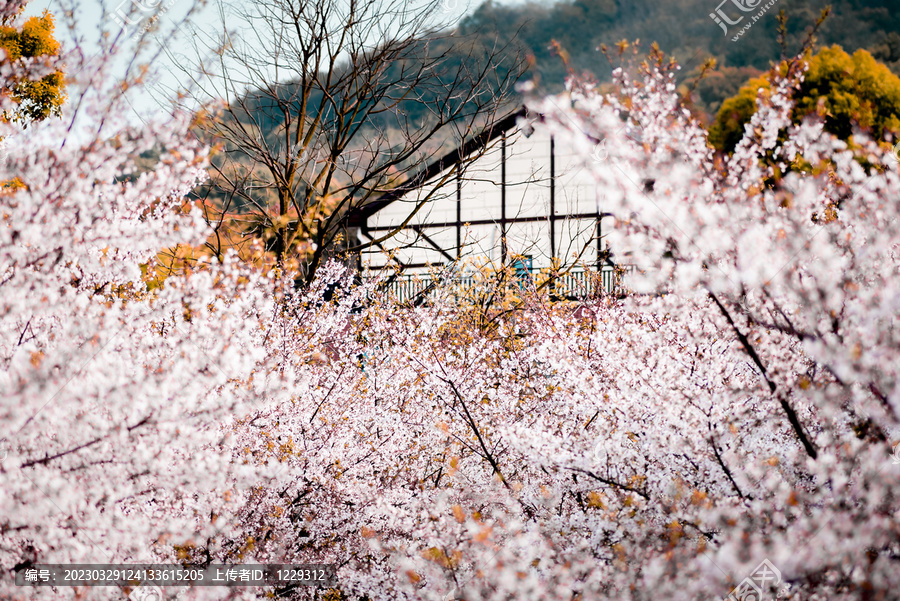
[{"x": 459, "y": 514}]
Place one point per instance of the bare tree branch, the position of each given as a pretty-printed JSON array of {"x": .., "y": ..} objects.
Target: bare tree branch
[{"x": 330, "y": 105}]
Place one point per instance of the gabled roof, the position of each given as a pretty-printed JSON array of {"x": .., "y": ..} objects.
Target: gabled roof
[{"x": 451, "y": 159}]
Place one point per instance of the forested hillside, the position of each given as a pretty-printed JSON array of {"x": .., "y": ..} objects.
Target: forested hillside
[
  {"x": 683, "y": 29},
  {"x": 557, "y": 36}
]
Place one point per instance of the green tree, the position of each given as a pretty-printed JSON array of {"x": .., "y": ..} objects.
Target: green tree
[
  {"x": 36, "y": 98},
  {"x": 847, "y": 91}
]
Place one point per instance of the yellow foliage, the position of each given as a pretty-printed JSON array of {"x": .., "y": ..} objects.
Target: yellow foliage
[
  {"x": 440, "y": 556},
  {"x": 844, "y": 90},
  {"x": 483, "y": 534},
  {"x": 675, "y": 532},
  {"x": 11, "y": 186},
  {"x": 37, "y": 99},
  {"x": 459, "y": 514},
  {"x": 595, "y": 500},
  {"x": 332, "y": 594}
]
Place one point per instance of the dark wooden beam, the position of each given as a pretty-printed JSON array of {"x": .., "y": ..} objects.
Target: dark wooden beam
[
  {"x": 458, "y": 214},
  {"x": 552, "y": 198},
  {"x": 418, "y": 230},
  {"x": 455, "y": 157},
  {"x": 509, "y": 220},
  {"x": 409, "y": 265},
  {"x": 365, "y": 232},
  {"x": 503, "y": 199}
]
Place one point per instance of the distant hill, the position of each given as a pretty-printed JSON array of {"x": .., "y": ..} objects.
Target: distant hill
[
  {"x": 682, "y": 28},
  {"x": 685, "y": 30}
]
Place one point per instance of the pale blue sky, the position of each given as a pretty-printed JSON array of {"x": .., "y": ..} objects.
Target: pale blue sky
[{"x": 91, "y": 19}]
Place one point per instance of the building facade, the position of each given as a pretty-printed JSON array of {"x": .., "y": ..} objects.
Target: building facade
[{"x": 511, "y": 194}]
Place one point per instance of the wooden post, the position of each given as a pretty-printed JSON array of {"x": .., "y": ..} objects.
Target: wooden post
[
  {"x": 458, "y": 213},
  {"x": 552, "y": 199},
  {"x": 503, "y": 199}
]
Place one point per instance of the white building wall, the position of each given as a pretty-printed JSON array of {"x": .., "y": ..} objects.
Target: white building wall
[{"x": 528, "y": 190}]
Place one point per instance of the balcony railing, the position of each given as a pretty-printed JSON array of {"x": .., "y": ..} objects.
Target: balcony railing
[{"x": 577, "y": 283}]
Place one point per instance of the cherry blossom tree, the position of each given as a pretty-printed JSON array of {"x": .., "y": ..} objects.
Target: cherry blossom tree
[
  {"x": 726, "y": 427},
  {"x": 116, "y": 401}
]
